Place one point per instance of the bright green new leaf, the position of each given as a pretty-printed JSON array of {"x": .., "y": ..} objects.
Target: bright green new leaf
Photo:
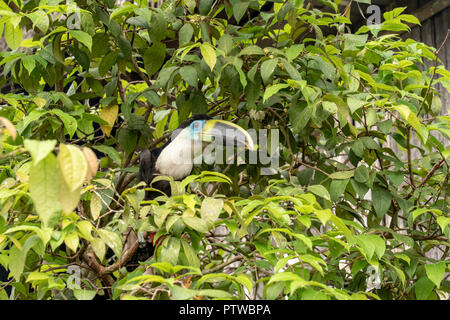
[
  {"x": 82, "y": 37},
  {"x": 270, "y": 91},
  {"x": 443, "y": 222},
  {"x": 320, "y": 191},
  {"x": 435, "y": 272}
]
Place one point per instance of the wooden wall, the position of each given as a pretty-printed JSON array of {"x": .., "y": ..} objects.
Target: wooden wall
[{"x": 432, "y": 32}]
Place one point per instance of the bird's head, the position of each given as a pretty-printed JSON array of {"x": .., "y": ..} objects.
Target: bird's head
[{"x": 224, "y": 133}]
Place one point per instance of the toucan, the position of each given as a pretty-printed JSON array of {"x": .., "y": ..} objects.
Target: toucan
[{"x": 176, "y": 159}]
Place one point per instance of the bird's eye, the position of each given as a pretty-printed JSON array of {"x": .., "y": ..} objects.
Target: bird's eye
[{"x": 196, "y": 124}]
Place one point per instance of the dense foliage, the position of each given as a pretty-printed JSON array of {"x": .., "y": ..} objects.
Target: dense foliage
[{"x": 356, "y": 206}]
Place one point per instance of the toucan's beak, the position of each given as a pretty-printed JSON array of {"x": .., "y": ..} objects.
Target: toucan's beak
[{"x": 227, "y": 134}]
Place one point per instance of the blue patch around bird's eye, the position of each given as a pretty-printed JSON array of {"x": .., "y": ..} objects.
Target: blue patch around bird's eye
[{"x": 197, "y": 126}]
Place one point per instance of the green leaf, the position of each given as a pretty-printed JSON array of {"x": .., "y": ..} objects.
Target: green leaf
[
  {"x": 353, "y": 41},
  {"x": 32, "y": 116},
  {"x": 128, "y": 139},
  {"x": 251, "y": 50},
  {"x": 29, "y": 63},
  {"x": 170, "y": 250},
  {"x": 189, "y": 74},
  {"x": 210, "y": 210},
  {"x": 72, "y": 240},
  {"x": 443, "y": 222},
  {"x": 299, "y": 116},
  {"x": 40, "y": 20},
  {"x": 342, "y": 175},
  {"x": 270, "y": 91},
  {"x": 82, "y": 37},
  {"x": 13, "y": 36},
  {"x": 95, "y": 205},
  {"x": 68, "y": 198},
  {"x": 154, "y": 57},
  {"x": 185, "y": 34},
  {"x": 196, "y": 224},
  {"x": 83, "y": 294},
  {"x": 320, "y": 191},
  {"x": 354, "y": 104},
  {"x": 70, "y": 123},
  {"x": 331, "y": 107},
  {"x": 98, "y": 245},
  {"x": 190, "y": 254},
  {"x": 16, "y": 262},
  {"x": 107, "y": 62},
  {"x": 209, "y": 54},
  {"x": 110, "y": 152},
  {"x": 285, "y": 276},
  {"x": 267, "y": 69},
  {"x": 39, "y": 149},
  {"x": 44, "y": 188},
  {"x": 293, "y": 51},
  {"x": 362, "y": 174},
  {"x": 423, "y": 288},
  {"x": 239, "y": 9},
  {"x": 215, "y": 293},
  {"x": 112, "y": 240},
  {"x": 158, "y": 27},
  {"x": 37, "y": 276},
  {"x": 191, "y": 5},
  {"x": 411, "y": 119},
  {"x": 436, "y": 105},
  {"x": 205, "y": 6},
  {"x": 323, "y": 215},
  {"x": 367, "y": 246},
  {"x": 337, "y": 188},
  {"x": 409, "y": 18},
  {"x": 381, "y": 200},
  {"x": 435, "y": 272}
]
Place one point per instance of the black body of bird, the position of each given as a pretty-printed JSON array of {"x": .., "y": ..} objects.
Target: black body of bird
[{"x": 4, "y": 279}]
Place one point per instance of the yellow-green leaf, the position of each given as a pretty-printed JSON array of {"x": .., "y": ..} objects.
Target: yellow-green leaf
[
  {"x": 209, "y": 54},
  {"x": 112, "y": 240},
  {"x": 39, "y": 149},
  {"x": 210, "y": 210},
  {"x": 109, "y": 114},
  {"x": 95, "y": 205},
  {"x": 73, "y": 165},
  {"x": 72, "y": 240},
  {"x": 44, "y": 185},
  {"x": 13, "y": 36}
]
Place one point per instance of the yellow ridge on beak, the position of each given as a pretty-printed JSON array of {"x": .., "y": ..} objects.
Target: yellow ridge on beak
[{"x": 227, "y": 133}]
